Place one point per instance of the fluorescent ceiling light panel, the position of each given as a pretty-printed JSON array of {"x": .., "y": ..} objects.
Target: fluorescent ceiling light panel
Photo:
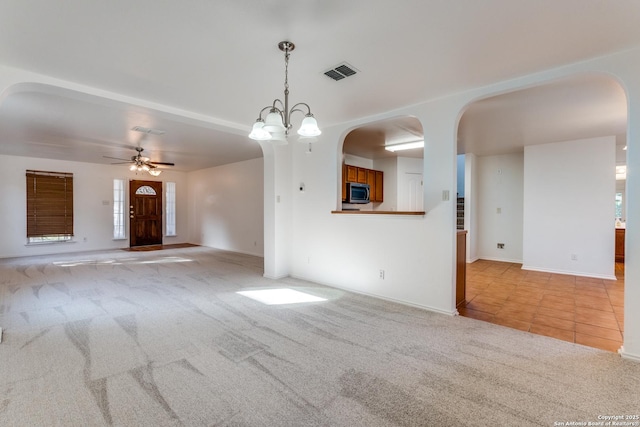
[
  {"x": 280, "y": 296},
  {"x": 404, "y": 146}
]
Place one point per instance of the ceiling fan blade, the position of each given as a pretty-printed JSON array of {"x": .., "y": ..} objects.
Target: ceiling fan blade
[
  {"x": 122, "y": 163},
  {"x": 116, "y": 158},
  {"x": 162, "y": 163}
]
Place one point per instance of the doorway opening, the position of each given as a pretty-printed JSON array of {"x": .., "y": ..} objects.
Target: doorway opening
[{"x": 528, "y": 265}]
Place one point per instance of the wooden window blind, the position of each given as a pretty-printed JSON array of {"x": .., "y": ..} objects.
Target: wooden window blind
[{"x": 49, "y": 203}]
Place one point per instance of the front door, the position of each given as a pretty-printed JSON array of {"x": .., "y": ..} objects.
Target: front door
[{"x": 145, "y": 213}]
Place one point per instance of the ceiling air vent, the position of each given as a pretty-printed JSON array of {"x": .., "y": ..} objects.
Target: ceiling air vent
[
  {"x": 341, "y": 71},
  {"x": 148, "y": 130}
]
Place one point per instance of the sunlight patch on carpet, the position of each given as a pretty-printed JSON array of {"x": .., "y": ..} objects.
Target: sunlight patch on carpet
[{"x": 280, "y": 296}]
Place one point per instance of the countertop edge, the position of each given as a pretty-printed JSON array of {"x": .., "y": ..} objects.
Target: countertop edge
[{"x": 410, "y": 213}]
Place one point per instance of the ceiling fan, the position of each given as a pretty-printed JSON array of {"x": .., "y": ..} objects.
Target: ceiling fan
[{"x": 141, "y": 163}]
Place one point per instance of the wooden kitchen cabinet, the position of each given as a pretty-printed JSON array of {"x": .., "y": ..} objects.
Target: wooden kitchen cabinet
[
  {"x": 349, "y": 174},
  {"x": 362, "y": 176},
  {"x": 620, "y": 232},
  {"x": 352, "y": 174},
  {"x": 371, "y": 180},
  {"x": 377, "y": 191}
]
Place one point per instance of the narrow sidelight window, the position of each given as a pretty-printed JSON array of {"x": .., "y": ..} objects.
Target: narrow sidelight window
[
  {"x": 118, "y": 209},
  {"x": 171, "y": 208}
]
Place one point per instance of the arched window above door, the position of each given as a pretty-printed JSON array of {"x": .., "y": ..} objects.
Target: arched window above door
[{"x": 146, "y": 190}]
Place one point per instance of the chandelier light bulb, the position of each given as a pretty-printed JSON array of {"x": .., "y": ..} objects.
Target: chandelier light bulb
[
  {"x": 258, "y": 132},
  {"x": 309, "y": 126},
  {"x": 273, "y": 123}
]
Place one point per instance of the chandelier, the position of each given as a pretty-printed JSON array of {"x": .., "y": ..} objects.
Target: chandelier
[{"x": 276, "y": 124}]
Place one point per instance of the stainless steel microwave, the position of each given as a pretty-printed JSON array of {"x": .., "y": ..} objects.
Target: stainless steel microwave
[{"x": 357, "y": 193}]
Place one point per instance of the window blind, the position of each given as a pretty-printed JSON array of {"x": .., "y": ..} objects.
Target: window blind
[{"x": 49, "y": 203}]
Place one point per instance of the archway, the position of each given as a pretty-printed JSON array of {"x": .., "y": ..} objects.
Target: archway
[{"x": 534, "y": 158}]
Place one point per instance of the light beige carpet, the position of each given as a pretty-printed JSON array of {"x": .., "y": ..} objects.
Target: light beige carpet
[{"x": 163, "y": 338}]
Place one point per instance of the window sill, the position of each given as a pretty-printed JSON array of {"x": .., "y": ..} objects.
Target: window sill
[
  {"x": 61, "y": 242},
  {"x": 119, "y": 239}
]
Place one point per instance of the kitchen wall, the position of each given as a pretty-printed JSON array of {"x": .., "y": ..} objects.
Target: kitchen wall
[
  {"x": 460, "y": 160},
  {"x": 410, "y": 184},
  {"x": 569, "y": 190},
  {"x": 227, "y": 207},
  {"x": 93, "y": 205},
  {"x": 361, "y": 162}
]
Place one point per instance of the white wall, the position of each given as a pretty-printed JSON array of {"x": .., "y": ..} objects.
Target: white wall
[
  {"x": 569, "y": 190},
  {"x": 93, "y": 205},
  {"x": 227, "y": 207},
  {"x": 500, "y": 206},
  {"x": 348, "y": 251}
]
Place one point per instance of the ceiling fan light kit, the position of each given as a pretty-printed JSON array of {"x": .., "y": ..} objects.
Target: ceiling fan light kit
[{"x": 277, "y": 123}]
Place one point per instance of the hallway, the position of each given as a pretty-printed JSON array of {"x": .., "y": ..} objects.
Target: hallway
[{"x": 582, "y": 310}]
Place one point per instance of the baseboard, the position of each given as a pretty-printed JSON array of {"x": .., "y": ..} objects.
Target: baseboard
[
  {"x": 397, "y": 301},
  {"x": 268, "y": 276},
  {"x": 570, "y": 273},
  {"x": 624, "y": 355},
  {"x": 513, "y": 261},
  {"x": 237, "y": 251}
]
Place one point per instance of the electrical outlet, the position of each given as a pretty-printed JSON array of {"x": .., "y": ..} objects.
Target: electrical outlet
[
  {"x": 500, "y": 245},
  {"x": 382, "y": 274}
]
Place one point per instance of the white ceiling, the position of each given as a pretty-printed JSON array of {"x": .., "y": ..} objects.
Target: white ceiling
[
  {"x": 219, "y": 59},
  {"x": 579, "y": 107}
]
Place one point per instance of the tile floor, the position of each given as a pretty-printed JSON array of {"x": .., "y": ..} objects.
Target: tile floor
[{"x": 577, "y": 309}]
